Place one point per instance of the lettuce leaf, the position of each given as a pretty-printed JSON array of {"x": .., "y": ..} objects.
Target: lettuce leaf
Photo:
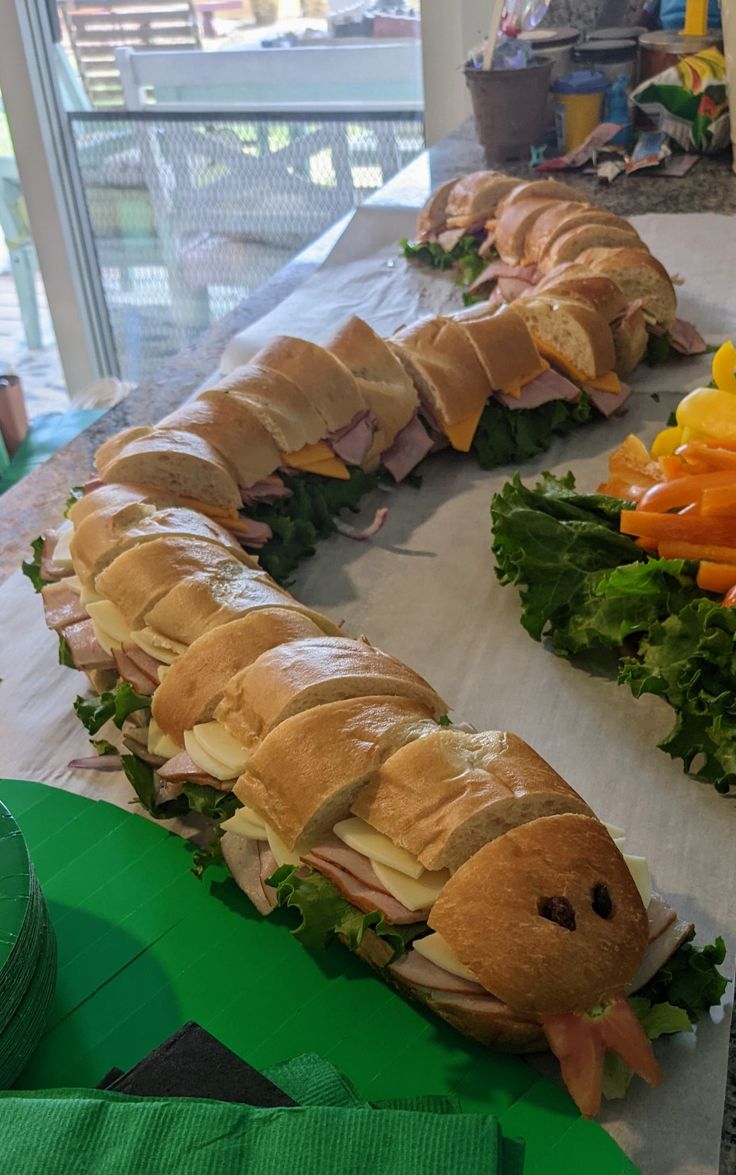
[
  {"x": 464, "y": 255},
  {"x": 65, "y": 653},
  {"x": 659, "y": 350},
  {"x": 325, "y": 914},
  {"x": 142, "y": 779},
  {"x": 33, "y": 567},
  {"x": 656, "y": 1020},
  {"x": 503, "y": 437},
  {"x": 101, "y": 746},
  {"x": 75, "y": 493},
  {"x": 210, "y": 801},
  {"x": 308, "y": 515},
  {"x": 115, "y": 704}
]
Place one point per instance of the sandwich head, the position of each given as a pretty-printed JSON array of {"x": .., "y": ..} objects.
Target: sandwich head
[
  {"x": 547, "y": 917},
  {"x": 447, "y": 794}
]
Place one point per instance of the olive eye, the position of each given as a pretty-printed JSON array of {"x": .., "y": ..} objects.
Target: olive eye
[
  {"x": 602, "y": 903},
  {"x": 557, "y": 910}
]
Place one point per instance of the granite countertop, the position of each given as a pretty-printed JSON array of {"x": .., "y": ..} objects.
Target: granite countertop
[{"x": 35, "y": 503}]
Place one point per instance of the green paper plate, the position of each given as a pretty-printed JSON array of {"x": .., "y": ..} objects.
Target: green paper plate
[
  {"x": 15, "y": 886},
  {"x": 143, "y": 946}
]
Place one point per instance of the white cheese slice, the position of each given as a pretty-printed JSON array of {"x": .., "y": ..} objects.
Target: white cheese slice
[
  {"x": 88, "y": 595},
  {"x": 161, "y": 649},
  {"x": 162, "y": 671},
  {"x": 247, "y": 823},
  {"x": 414, "y": 893},
  {"x": 62, "y": 556},
  {"x": 104, "y": 640},
  {"x": 220, "y": 744},
  {"x": 204, "y": 761},
  {"x": 639, "y": 870},
  {"x": 160, "y": 743},
  {"x": 359, "y": 835},
  {"x": 434, "y": 948},
  {"x": 614, "y": 832},
  {"x": 110, "y": 619},
  {"x": 282, "y": 853},
  {"x": 75, "y": 583}
]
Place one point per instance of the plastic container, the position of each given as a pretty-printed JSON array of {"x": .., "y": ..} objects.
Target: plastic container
[
  {"x": 578, "y": 103},
  {"x": 629, "y": 32},
  {"x": 610, "y": 57},
  {"x": 509, "y": 107},
  {"x": 557, "y": 44},
  {"x": 729, "y": 35},
  {"x": 663, "y": 48}
]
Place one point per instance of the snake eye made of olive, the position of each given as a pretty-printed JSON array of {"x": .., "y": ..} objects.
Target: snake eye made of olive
[
  {"x": 558, "y": 910},
  {"x": 602, "y": 902}
]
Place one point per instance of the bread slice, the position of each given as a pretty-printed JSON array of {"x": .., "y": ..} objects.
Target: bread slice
[
  {"x": 114, "y": 445},
  {"x": 442, "y": 361},
  {"x": 571, "y": 244},
  {"x": 576, "y": 218},
  {"x": 578, "y": 284},
  {"x": 475, "y": 198},
  {"x": 232, "y": 429},
  {"x": 639, "y": 275},
  {"x": 572, "y": 336},
  {"x": 630, "y": 339},
  {"x": 444, "y": 796},
  {"x": 306, "y": 773},
  {"x": 514, "y": 223},
  {"x": 508, "y": 915},
  {"x": 113, "y": 498},
  {"x": 433, "y": 216},
  {"x": 324, "y": 380},
  {"x": 309, "y": 673},
  {"x": 384, "y": 384},
  {"x": 278, "y": 403},
  {"x": 177, "y": 463},
  {"x": 195, "y": 683},
  {"x": 504, "y": 345},
  {"x": 141, "y": 576},
  {"x": 556, "y": 212},
  {"x": 543, "y": 189},
  {"x": 103, "y": 536}
]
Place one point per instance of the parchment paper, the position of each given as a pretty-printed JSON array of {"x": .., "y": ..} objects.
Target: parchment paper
[{"x": 424, "y": 589}]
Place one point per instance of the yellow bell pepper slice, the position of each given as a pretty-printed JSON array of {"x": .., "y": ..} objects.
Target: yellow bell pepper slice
[
  {"x": 709, "y": 413},
  {"x": 724, "y": 368},
  {"x": 665, "y": 443}
]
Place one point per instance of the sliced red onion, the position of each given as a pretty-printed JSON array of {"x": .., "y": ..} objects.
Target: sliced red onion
[
  {"x": 367, "y": 532},
  {"x": 96, "y": 763}
]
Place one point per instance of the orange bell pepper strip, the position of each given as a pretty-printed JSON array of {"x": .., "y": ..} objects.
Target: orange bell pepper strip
[
  {"x": 692, "y": 528},
  {"x": 716, "y": 577},
  {"x": 719, "y": 502},
  {"x": 684, "y": 490},
  {"x": 673, "y": 467},
  {"x": 710, "y": 457},
  {"x": 675, "y": 549}
]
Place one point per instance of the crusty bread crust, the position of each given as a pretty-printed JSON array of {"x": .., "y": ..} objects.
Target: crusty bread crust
[
  {"x": 305, "y": 774},
  {"x": 592, "y": 289},
  {"x": 562, "y": 328},
  {"x": 178, "y": 463},
  {"x": 475, "y": 198},
  {"x": 115, "y": 444},
  {"x": 114, "y": 497},
  {"x": 555, "y": 213},
  {"x": 546, "y": 189},
  {"x": 639, "y": 275},
  {"x": 533, "y": 895},
  {"x": 578, "y": 218},
  {"x": 278, "y": 403},
  {"x": 569, "y": 245},
  {"x": 433, "y": 216},
  {"x": 444, "y": 796},
  {"x": 196, "y": 681},
  {"x": 298, "y": 676},
  {"x": 443, "y": 363},
  {"x": 324, "y": 380},
  {"x": 630, "y": 338},
  {"x": 233, "y": 431},
  {"x": 503, "y": 344}
]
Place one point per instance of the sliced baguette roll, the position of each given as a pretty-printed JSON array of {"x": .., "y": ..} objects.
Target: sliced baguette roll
[
  {"x": 234, "y": 432},
  {"x": 572, "y": 336},
  {"x": 140, "y": 577},
  {"x": 324, "y": 380},
  {"x": 630, "y": 339},
  {"x": 639, "y": 275},
  {"x": 278, "y": 403},
  {"x": 444, "y": 796},
  {"x": 433, "y": 216},
  {"x": 556, "y": 889},
  {"x": 306, "y": 773},
  {"x": 571, "y": 244},
  {"x": 474, "y": 199},
  {"x": 101, "y": 537},
  {"x": 452, "y": 383},
  {"x": 541, "y": 189},
  {"x": 556, "y": 212},
  {"x": 578, "y": 284},
  {"x": 309, "y": 673},
  {"x": 504, "y": 345},
  {"x": 514, "y": 223},
  {"x": 204, "y": 600},
  {"x": 114, "y": 445},
  {"x": 577, "y": 217},
  {"x": 195, "y": 683},
  {"x": 113, "y": 498},
  {"x": 384, "y": 384},
  {"x": 177, "y": 463}
]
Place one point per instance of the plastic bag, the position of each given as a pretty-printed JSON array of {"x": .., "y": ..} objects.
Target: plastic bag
[{"x": 689, "y": 101}]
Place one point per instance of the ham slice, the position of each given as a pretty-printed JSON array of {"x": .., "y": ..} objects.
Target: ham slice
[
  {"x": 49, "y": 569},
  {"x": 137, "y": 668},
  {"x": 352, "y": 442},
  {"x": 265, "y": 491},
  {"x": 410, "y": 446},
  {"x": 420, "y": 972},
  {"x": 660, "y": 916},
  {"x": 356, "y": 879},
  {"x": 498, "y": 269},
  {"x": 87, "y": 653},
  {"x": 550, "y": 385},
  {"x": 257, "y": 535},
  {"x": 449, "y": 238},
  {"x": 251, "y": 862},
  {"x": 62, "y": 605},
  {"x": 486, "y": 247},
  {"x": 511, "y": 288},
  {"x": 183, "y": 769},
  {"x": 659, "y": 951},
  {"x": 686, "y": 339},
  {"x": 608, "y": 402},
  {"x": 628, "y": 312}
]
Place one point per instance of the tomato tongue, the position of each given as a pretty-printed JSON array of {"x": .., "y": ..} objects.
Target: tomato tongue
[{"x": 579, "y": 1040}]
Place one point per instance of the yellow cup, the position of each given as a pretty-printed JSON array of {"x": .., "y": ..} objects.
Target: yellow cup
[{"x": 578, "y": 100}]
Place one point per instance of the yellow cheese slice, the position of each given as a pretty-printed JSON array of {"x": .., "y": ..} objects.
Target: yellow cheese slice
[
  {"x": 282, "y": 854},
  {"x": 516, "y": 387},
  {"x": 160, "y": 743},
  {"x": 415, "y": 894},
  {"x": 317, "y": 458},
  {"x": 639, "y": 870},
  {"x": 461, "y": 433},
  {"x": 606, "y": 383},
  {"x": 204, "y": 761},
  {"x": 62, "y": 556},
  {"x": 220, "y": 744},
  {"x": 157, "y": 646},
  {"x": 110, "y": 619},
  {"x": 247, "y": 823},
  {"x": 358, "y": 835},
  {"x": 434, "y": 948}
]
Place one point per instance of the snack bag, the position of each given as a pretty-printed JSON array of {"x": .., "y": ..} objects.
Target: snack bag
[{"x": 689, "y": 101}]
